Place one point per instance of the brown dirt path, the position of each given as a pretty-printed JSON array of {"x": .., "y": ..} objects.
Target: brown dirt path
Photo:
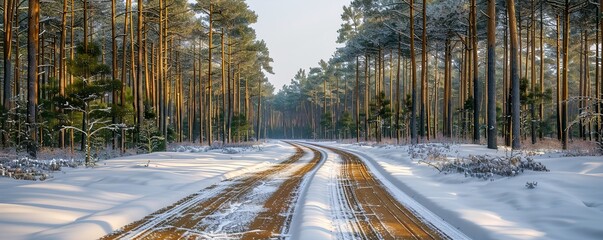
[
  {"x": 378, "y": 215},
  {"x": 277, "y": 209},
  {"x": 183, "y": 218}
]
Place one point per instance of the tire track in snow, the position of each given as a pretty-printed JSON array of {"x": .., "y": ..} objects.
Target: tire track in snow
[
  {"x": 275, "y": 219},
  {"x": 368, "y": 210},
  {"x": 187, "y": 218}
]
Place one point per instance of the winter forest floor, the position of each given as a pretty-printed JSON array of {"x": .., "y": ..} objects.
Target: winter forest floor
[{"x": 314, "y": 190}]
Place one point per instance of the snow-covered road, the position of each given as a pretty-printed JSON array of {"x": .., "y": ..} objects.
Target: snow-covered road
[{"x": 322, "y": 192}]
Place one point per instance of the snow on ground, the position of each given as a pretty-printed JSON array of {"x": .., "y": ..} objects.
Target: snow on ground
[
  {"x": 566, "y": 204},
  {"x": 312, "y": 217},
  {"x": 232, "y": 221},
  {"x": 86, "y": 203}
]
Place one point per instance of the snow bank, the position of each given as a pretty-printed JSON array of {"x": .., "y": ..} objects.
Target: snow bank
[
  {"x": 312, "y": 219},
  {"x": 88, "y": 203},
  {"x": 566, "y": 204}
]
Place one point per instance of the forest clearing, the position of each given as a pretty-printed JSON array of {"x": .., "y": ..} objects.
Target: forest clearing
[{"x": 346, "y": 119}]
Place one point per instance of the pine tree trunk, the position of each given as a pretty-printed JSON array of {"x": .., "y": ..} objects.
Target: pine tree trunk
[
  {"x": 533, "y": 75},
  {"x": 413, "y": 114},
  {"x": 476, "y": 93},
  {"x": 32, "y": 74},
  {"x": 366, "y": 97},
  {"x": 259, "y": 112},
  {"x": 223, "y": 86},
  {"x": 357, "y": 96},
  {"x": 491, "y": 75},
  {"x": 229, "y": 92},
  {"x": 558, "y": 105},
  {"x": 139, "y": 98},
  {"x": 447, "y": 121},
  {"x": 9, "y": 7},
  {"x": 209, "y": 80},
  {"x": 600, "y": 76},
  {"x": 564, "y": 80},
  {"x": 202, "y": 95},
  {"x": 397, "y": 124},
  {"x": 541, "y": 104},
  {"x": 516, "y": 144}
]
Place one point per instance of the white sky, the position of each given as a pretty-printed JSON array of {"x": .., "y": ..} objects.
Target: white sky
[{"x": 298, "y": 33}]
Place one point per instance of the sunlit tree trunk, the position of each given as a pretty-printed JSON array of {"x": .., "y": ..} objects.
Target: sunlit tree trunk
[
  {"x": 259, "y": 112},
  {"x": 209, "y": 81},
  {"x": 564, "y": 80},
  {"x": 223, "y": 86},
  {"x": 32, "y": 73},
  {"x": 367, "y": 94},
  {"x": 397, "y": 124},
  {"x": 476, "y": 92},
  {"x": 202, "y": 95},
  {"x": 357, "y": 95},
  {"x": 62, "y": 66},
  {"x": 491, "y": 74},
  {"x": 516, "y": 144},
  {"x": 533, "y": 73},
  {"x": 447, "y": 114},
  {"x": 139, "y": 98},
  {"x": 598, "y": 74},
  {"x": 413, "y": 114},
  {"x": 424, "y": 120},
  {"x": 9, "y": 8},
  {"x": 541, "y": 104}
]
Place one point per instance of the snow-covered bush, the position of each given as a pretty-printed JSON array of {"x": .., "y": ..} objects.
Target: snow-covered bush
[
  {"x": 485, "y": 166},
  {"x": 31, "y": 169},
  {"x": 189, "y": 148},
  {"x": 478, "y": 166}
]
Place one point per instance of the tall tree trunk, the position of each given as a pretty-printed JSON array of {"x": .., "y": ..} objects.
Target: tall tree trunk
[
  {"x": 209, "y": 81},
  {"x": 202, "y": 95},
  {"x": 9, "y": 7},
  {"x": 413, "y": 114},
  {"x": 600, "y": 76},
  {"x": 491, "y": 75},
  {"x": 259, "y": 112},
  {"x": 476, "y": 93},
  {"x": 447, "y": 121},
  {"x": 114, "y": 70},
  {"x": 139, "y": 98},
  {"x": 85, "y": 26},
  {"x": 366, "y": 97},
  {"x": 397, "y": 123},
  {"x": 565, "y": 89},
  {"x": 507, "y": 84},
  {"x": 541, "y": 104},
  {"x": 32, "y": 74},
  {"x": 516, "y": 144},
  {"x": 223, "y": 86},
  {"x": 357, "y": 99},
  {"x": 423, "y": 122},
  {"x": 533, "y": 74},
  {"x": 229, "y": 91},
  {"x": 558, "y": 73},
  {"x": 71, "y": 57},
  {"x": 62, "y": 66}
]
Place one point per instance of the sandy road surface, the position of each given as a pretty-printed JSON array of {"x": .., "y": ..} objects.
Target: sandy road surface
[
  {"x": 218, "y": 212},
  {"x": 371, "y": 212}
]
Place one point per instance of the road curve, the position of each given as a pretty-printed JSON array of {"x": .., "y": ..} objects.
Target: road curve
[
  {"x": 372, "y": 212},
  {"x": 185, "y": 219}
]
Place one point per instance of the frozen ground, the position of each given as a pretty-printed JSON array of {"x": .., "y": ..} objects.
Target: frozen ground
[
  {"x": 566, "y": 204},
  {"x": 89, "y": 203}
]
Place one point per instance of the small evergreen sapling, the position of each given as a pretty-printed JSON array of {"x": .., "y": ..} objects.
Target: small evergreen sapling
[{"x": 84, "y": 97}]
